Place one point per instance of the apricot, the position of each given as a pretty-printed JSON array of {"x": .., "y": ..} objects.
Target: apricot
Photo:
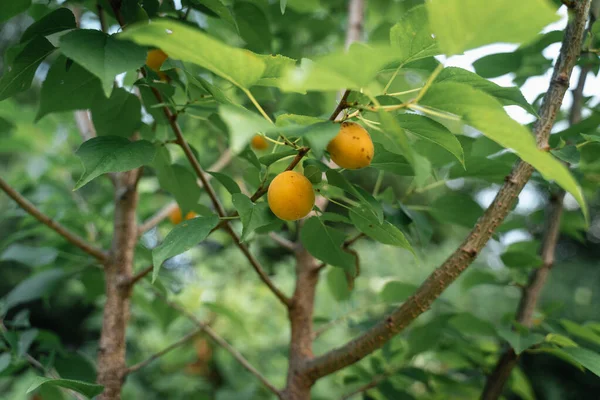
[
  {"x": 291, "y": 196},
  {"x": 352, "y": 148},
  {"x": 155, "y": 59},
  {"x": 175, "y": 216},
  {"x": 259, "y": 143}
]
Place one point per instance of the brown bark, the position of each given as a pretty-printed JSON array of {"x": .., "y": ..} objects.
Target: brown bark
[
  {"x": 111, "y": 353},
  {"x": 444, "y": 275},
  {"x": 301, "y": 316}
]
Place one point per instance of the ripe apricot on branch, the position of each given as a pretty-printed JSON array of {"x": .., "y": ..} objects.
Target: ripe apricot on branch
[
  {"x": 291, "y": 196},
  {"x": 155, "y": 59},
  {"x": 352, "y": 148},
  {"x": 259, "y": 143},
  {"x": 175, "y": 216}
]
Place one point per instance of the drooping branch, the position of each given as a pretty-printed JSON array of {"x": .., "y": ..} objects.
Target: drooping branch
[
  {"x": 164, "y": 351},
  {"x": 531, "y": 293},
  {"x": 219, "y": 340},
  {"x": 49, "y": 222},
  {"x": 444, "y": 275}
]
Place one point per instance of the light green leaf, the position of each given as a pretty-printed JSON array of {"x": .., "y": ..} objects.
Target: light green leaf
[
  {"x": 391, "y": 162},
  {"x": 34, "y": 287},
  {"x": 581, "y": 331},
  {"x": 522, "y": 255},
  {"x": 228, "y": 182},
  {"x": 338, "y": 284},
  {"x": 120, "y": 115},
  {"x": 69, "y": 89},
  {"x": 55, "y": 21},
  {"x": 506, "y": 95},
  {"x": 185, "y": 43},
  {"x": 456, "y": 208},
  {"x": 560, "y": 340},
  {"x": 397, "y": 292},
  {"x": 325, "y": 243},
  {"x": 183, "y": 237},
  {"x": 486, "y": 114},
  {"x": 428, "y": 129},
  {"x": 13, "y": 7},
  {"x": 242, "y": 125},
  {"x": 177, "y": 180},
  {"x": 391, "y": 126},
  {"x": 460, "y": 25},
  {"x": 101, "y": 54},
  {"x": 20, "y": 73},
  {"x": 520, "y": 341},
  {"x": 276, "y": 68},
  {"x": 587, "y": 358},
  {"x": 352, "y": 69},
  {"x": 412, "y": 38},
  {"x": 274, "y": 157},
  {"x": 384, "y": 232},
  {"x": 253, "y": 215},
  {"x": 104, "y": 154},
  {"x": 89, "y": 390},
  {"x": 316, "y": 131}
]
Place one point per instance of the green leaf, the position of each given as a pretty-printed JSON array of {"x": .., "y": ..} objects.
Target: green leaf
[
  {"x": 391, "y": 126},
  {"x": 34, "y": 287},
  {"x": 506, "y": 95},
  {"x": 253, "y": 26},
  {"x": 352, "y": 69},
  {"x": 183, "y": 237},
  {"x": 397, "y": 292},
  {"x": 570, "y": 154},
  {"x": 185, "y": 43},
  {"x": 385, "y": 232},
  {"x": 581, "y": 331},
  {"x": 87, "y": 389},
  {"x": 522, "y": 255},
  {"x": 253, "y": 215},
  {"x": 19, "y": 74},
  {"x": 14, "y": 7},
  {"x": 587, "y": 358},
  {"x": 391, "y": 162},
  {"x": 412, "y": 38},
  {"x": 460, "y": 25},
  {"x": 112, "y": 154},
  {"x": 276, "y": 68},
  {"x": 316, "y": 131},
  {"x": 120, "y": 115},
  {"x": 101, "y": 54},
  {"x": 560, "y": 340},
  {"x": 177, "y": 180},
  {"x": 456, "y": 208},
  {"x": 486, "y": 114},
  {"x": 274, "y": 157},
  {"x": 228, "y": 182},
  {"x": 5, "y": 360},
  {"x": 337, "y": 282},
  {"x": 217, "y": 7},
  {"x": 55, "y": 21},
  {"x": 520, "y": 341},
  {"x": 282, "y": 5},
  {"x": 66, "y": 89},
  {"x": 428, "y": 129},
  {"x": 242, "y": 125},
  {"x": 325, "y": 243},
  {"x": 468, "y": 324},
  {"x": 313, "y": 174},
  {"x": 591, "y": 138}
]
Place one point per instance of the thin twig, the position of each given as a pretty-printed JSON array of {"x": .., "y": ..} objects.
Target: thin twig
[
  {"x": 342, "y": 105},
  {"x": 164, "y": 351},
  {"x": 49, "y": 222},
  {"x": 443, "y": 276},
  {"x": 220, "y": 341},
  {"x": 283, "y": 242},
  {"x": 140, "y": 275}
]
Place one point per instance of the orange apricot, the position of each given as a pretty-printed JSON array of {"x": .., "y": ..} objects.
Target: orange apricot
[
  {"x": 291, "y": 196},
  {"x": 259, "y": 143},
  {"x": 352, "y": 148},
  {"x": 155, "y": 59}
]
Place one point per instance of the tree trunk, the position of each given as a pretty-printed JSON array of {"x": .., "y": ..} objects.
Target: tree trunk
[
  {"x": 118, "y": 270},
  {"x": 300, "y": 315}
]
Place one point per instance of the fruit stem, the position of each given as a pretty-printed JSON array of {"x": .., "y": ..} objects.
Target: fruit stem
[
  {"x": 429, "y": 82},
  {"x": 378, "y": 183},
  {"x": 405, "y": 92},
  {"x": 387, "y": 86}
]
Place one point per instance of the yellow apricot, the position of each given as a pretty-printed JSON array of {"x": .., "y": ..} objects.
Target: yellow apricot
[
  {"x": 259, "y": 143},
  {"x": 352, "y": 148},
  {"x": 175, "y": 216},
  {"x": 155, "y": 59},
  {"x": 291, "y": 196}
]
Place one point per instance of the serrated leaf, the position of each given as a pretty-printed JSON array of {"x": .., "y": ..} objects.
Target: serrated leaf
[
  {"x": 58, "y": 20},
  {"x": 506, "y": 95},
  {"x": 486, "y": 114},
  {"x": 276, "y": 67},
  {"x": 183, "y": 237},
  {"x": 397, "y": 291},
  {"x": 383, "y": 232},
  {"x": 89, "y": 390},
  {"x": 112, "y": 154},
  {"x": 225, "y": 180},
  {"x": 66, "y": 89},
  {"x": 185, "y": 43},
  {"x": 21, "y": 70},
  {"x": 253, "y": 215},
  {"x": 428, "y": 129},
  {"x": 460, "y": 25},
  {"x": 119, "y": 115},
  {"x": 411, "y": 36},
  {"x": 101, "y": 54},
  {"x": 325, "y": 243}
]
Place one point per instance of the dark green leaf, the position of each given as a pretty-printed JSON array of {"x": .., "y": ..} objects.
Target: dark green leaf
[
  {"x": 391, "y": 162},
  {"x": 411, "y": 36},
  {"x": 385, "y": 232},
  {"x": 58, "y": 20},
  {"x": 253, "y": 26},
  {"x": 456, "y": 208},
  {"x": 397, "y": 292},
  {"x": 338, "y": 284},
  {"x": 228, "y": 182},
  {"x": 569, "y": 153},
  {"x": 520, "y": 341},
  {"x": 34, "y": 287},
  {"x": 87, "y": 389},
  {"x": 313, "y": 174},
  {"x": 120, "y": 115},
  {"x": 325, "y": 244},
  {"x": 13, "y": 7},
  {"x": 274, "y": 157},
  {"x": 177, "y": 180},
  {"x": 587, "y": 358},
  {"x": 253, "y": 215}
]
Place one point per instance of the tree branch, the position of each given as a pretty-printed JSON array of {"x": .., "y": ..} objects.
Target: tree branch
[
  {"x": 444, "y": 275},
  {"x": 220, "y": 341},
  {"x": 531, "y": 293},
  {"x": 71, "y": 237},
  {"x": 164, "y": 351},
  {"x": 283, "y": 242}
]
